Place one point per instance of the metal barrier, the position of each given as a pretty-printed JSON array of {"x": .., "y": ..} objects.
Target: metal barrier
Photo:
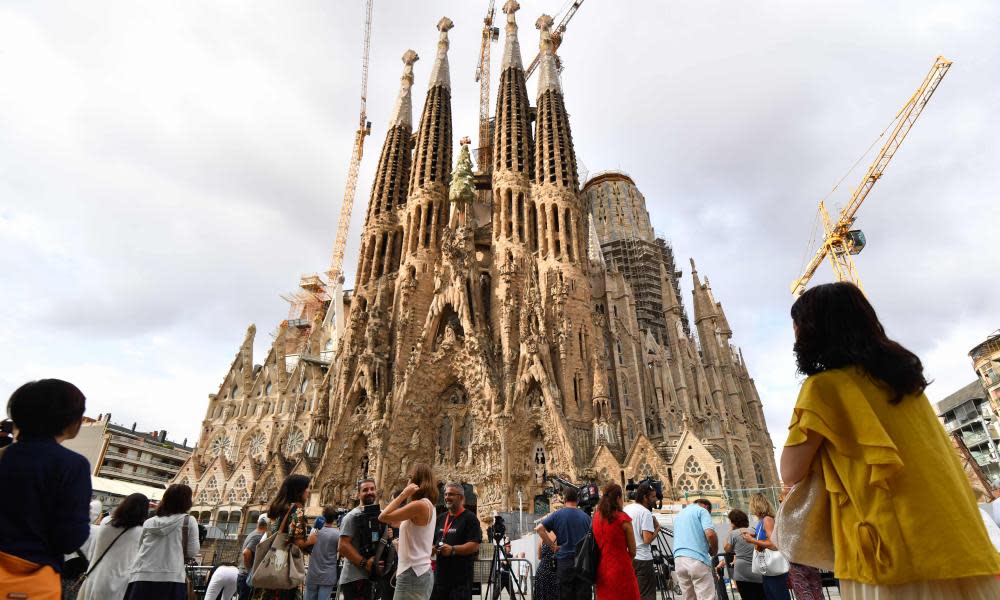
[{"x": 521, "y": 568}]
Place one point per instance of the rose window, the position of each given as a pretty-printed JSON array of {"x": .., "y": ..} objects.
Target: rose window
[
  {"x": 256, "y": 444},
  {"x": 222, "y": 445},
  {"x": 294, "y": 442}
]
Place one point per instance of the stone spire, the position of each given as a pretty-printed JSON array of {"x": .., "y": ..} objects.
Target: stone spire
[
  {"x": 393, "y": 171},
  {"x": 555, "y": 159},
  {"x": 432, "y": 156},
  {"x": 439, "y": 73},
  {"x": 548, "y": 72},
  {"x": 702, "y": 303},
  {"x": 402, "y": 113},
  {"x": 511, "y": 48},
  {"x": 512, "y": 138}
]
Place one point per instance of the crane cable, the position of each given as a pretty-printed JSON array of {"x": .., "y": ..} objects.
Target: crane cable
[{"x": 809, "y": 251}]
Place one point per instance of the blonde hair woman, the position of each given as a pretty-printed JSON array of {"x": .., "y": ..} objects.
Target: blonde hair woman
[
  {"x": 903, "y": 516},
  {"x": 414, "y": 578},
  {"x": 775, "y": 586}
]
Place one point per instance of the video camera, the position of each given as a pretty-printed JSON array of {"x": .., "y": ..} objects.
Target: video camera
[
  {"x": 498, "y": 530},
  {"x": 656, "y": 484},
  {"x": 588, "y": 495}
]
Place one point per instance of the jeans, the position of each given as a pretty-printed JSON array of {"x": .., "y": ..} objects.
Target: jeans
[
  {"x": 319, "y": 592},
  {"x": 776, "y": 587},
  {"x": 410, "y": 586},
  {"x": 571, "y": 587},
  {"x": 243, "y": 589}
]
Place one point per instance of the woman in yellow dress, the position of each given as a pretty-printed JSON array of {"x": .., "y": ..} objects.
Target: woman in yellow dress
[{"x": 904, "y": 519}]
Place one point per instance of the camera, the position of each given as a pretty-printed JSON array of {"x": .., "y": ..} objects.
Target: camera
[{"x": 498, "y": 531}]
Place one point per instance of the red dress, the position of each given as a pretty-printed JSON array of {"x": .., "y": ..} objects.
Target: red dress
[{"x": 615, "y": 576}]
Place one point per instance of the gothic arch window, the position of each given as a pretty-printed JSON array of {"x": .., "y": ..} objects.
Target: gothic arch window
[
  {"x": 268, "y": 490},
  {"x": 445, "y": 437},
  {"x": 293, "y": 443},
  {"x": 234, "y": 390},
  {"x": 210, "y": 494},
  {"x": 686, "y": 484},
  {"x": 758, "y": 469},
  {"x": 630, "y": 429},
  {"x": 268, "y": 388},
  {"x": 239, "y": 492},
  {"x": 621, "y": 354},
  {"x": 304, "y": 385},
  {"x": 645, "y": 470},
  {"x": 691, "y": 467},
  {"x": 705, "y": 483}
]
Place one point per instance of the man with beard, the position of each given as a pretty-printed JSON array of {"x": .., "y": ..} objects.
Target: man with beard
[
  {"x": 456, "y": 545},
  {"x": 355, "y": 578}
]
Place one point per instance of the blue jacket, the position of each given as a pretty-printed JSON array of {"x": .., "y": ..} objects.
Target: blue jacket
[{"x": 44, "y": 502}]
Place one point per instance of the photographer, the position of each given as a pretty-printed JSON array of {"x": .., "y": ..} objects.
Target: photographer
[
  {"x": 359, "y": 530},
  {"x": 456, "y": 543}
]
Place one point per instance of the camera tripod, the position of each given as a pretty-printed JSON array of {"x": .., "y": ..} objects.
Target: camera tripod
[
  {"x": 495, "y": 578},
  {"x": 663, "y": 564}
]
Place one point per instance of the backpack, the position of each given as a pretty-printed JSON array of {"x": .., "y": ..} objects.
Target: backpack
[{"x": 587, "y": 557}]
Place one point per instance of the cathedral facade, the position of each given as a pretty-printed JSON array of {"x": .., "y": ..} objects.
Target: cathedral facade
[{"x": 505, "y": 326}]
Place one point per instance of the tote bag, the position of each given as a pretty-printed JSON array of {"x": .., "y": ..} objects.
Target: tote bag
[
  {"x": 587, "y": 557},
  {"x": 803, "y": 527},
  {"x": 278, "y": 562}
]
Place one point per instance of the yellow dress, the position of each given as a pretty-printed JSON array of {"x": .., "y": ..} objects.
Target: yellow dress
[{"x": 902, "y": 510}]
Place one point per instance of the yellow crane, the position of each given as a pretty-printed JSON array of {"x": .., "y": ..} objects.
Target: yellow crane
[
  {"x": 335, "y": 273},
  {"x": 490, "y": 35},
  {"x": 557, "y": 34},
  {"x": 840, "y": 241}
]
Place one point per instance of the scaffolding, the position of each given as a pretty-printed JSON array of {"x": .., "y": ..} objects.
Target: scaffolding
[{"x": 643, "y": 264}]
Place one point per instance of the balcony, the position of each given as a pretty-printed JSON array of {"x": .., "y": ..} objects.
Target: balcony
[
  {"x": 152, "y": 447},
  {"x": 145, "y": 461},
  {"x": 115, "y": 473}
]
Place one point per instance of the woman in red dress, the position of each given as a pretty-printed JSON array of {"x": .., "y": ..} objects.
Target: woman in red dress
[{"x": 613, "y": 533}]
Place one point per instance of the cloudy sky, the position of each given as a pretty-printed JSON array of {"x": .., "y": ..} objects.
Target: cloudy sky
[{"x": 168, "y": 170}]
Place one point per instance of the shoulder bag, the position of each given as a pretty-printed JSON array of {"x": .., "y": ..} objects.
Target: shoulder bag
[
  {"x": 188, "y": 584},
  {"x": 278, "y": 563},
  {"x": 767, "y": 562},
  {"x": 587, "y": 557},
  {"x": 802, "y": 527},
  {"x": 74, "y": 587}
]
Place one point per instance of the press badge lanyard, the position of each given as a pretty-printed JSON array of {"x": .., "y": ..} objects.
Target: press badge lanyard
[{"x": 448, "y": 522}]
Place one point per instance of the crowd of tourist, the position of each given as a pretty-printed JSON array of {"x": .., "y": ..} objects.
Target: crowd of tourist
[{"x": 887, "y": 501}]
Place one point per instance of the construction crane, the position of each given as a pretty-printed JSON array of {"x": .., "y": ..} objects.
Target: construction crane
[
  {"x": 557, "y": 34},
  {"x": 490, "y": 35},
  {"x": 841, "y": 242},
  {"x": 335, "y": 273}
]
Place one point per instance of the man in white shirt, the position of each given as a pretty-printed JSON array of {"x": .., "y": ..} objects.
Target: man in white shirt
[{"x": 645, "y": 527}]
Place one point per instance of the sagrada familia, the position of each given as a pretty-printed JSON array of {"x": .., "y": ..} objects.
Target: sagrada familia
[{"x": 505, "y": 326}]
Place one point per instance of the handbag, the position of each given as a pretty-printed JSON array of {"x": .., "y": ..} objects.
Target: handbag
[
  {"x": 802, "y": 527},
  {"x": 587, "y": 557},
  {"x": 20, "y": 578},
  {"x": 74, "y": 587},
  {"x": 278, "y": 562},
  {"x": 769, "y": 562},
  {"x": 72, "y": 575}
]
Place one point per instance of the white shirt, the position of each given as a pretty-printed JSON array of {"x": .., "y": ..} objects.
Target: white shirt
[
  {"x": 642, "y": 520},
  {"x": 415, "y": 543}
]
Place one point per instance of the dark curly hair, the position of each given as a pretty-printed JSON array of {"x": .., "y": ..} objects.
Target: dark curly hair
[{"x": 837, "y": 327}]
